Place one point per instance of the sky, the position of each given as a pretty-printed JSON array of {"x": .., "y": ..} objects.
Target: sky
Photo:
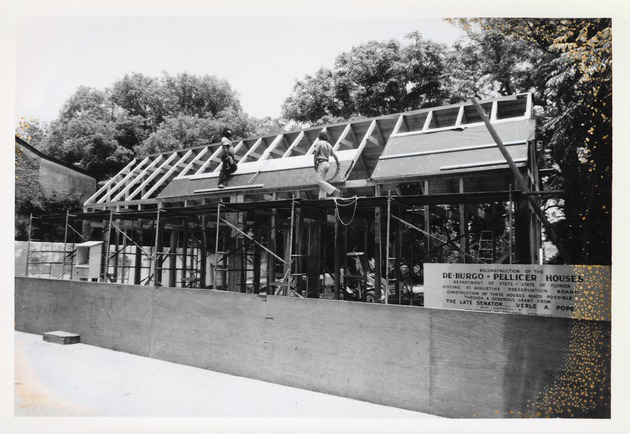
[{"x": 261, "y": 57}]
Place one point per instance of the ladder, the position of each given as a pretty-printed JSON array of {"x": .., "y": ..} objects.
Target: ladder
[{"x": 485, "y": 253}]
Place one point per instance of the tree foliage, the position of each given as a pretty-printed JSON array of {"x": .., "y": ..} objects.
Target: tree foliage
[
  {"x": 372, "y": 79},
  {"x": 101, "y": 131}
]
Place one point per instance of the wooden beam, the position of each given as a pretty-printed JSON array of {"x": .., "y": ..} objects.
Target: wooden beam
[
  {"x": 210, "y": 159},
  {"x": 123, "y": 181},
  {"x": 167, "y": 175},
  {"x": 342, "y": 138},
  {"x": 271, "y": 147},
  {"x": 251, "y": 150},
  {"x": 124, "y": 171},
  {"x": 427, "y": 121},
  {"x": 136, "y": 179},
  {"x": 293, "y": 145},
  {"x": 361, "y": 147},
  {"x": 152, "y": 176},
  {"x": 399, "y": 123},
  {"x": 193, "y": 162}
]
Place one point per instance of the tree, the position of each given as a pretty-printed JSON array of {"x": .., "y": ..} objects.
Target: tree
[
  {"x": 572, "y": 81},
  {"x": 372, "y": 79},
  {"x": 101, "y": 131},
  {"x": 313, "y": 98},
  {"x": 85, "y": 134},
  {"x": 31, "y": 130}
]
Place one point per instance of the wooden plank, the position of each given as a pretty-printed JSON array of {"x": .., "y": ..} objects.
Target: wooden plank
[{"x": 236, "y": 187}]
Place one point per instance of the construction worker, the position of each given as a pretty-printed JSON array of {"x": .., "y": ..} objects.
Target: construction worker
[
  {"x": 321, "y": 155},
  {"x": 228, "y": 159}
]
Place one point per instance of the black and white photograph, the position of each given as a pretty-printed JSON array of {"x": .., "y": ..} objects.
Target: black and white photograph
[{"x": 293, "y": 217}]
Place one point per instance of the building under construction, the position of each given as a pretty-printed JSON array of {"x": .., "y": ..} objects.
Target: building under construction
[{"x": 456, "y": 183}]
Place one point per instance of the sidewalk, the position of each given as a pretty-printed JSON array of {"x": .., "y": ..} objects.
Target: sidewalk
[{"x": 83, "y": 380}]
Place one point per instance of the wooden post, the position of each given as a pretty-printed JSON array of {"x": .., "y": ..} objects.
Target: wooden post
[
  {"x": 389, "y": 202},
  {"x": 243, "y": 245},
  {"x": 137, "y": 275},
  {"x": 184, "y": 251},
  {"x": 271, "y": 261},
  {"x": 28, "y": 243},
  {"x": 377, "y": 253},
  {"x": 216, "y": 249},
  {"x": 298, "y": 255},
  {"x": 463, "y": 239},
  {"x": 364, "y": 263},
  {"x": 116, "y": 250},
  {"x": 157, "y": 253},
  {"x": 257, "y": 255},
  {"x": 322, "y": 252},
  {"x": 337, "y": 259},
  {"x": 65, "y": 243},
  {"x": 511, "y": 223},
  {"x": 203, "y": 253},
  {"x": 427, "y": 220},
  {"x": 399, "y": 249},
  {"x": 105, "y": 263},
  {"x": 172, "y": 275}
]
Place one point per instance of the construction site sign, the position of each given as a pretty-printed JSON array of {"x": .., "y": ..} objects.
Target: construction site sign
[{"x": 566, "y": 291}]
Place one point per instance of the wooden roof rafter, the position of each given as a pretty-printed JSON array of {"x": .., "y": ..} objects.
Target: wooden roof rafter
[
  {"x": 123, "y": 182},
  {"x": 108, "y": 185},
  {"x": 251, "y": 150},
  {"x": 152, "y": 176},
  {"x": 294, "y": 145},
  {"x": 167, "y": 175},
  {"x": 134, "y": 181},
  {"x": 194, "y": 161}
]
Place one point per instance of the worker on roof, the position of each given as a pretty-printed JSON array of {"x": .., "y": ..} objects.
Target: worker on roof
[
  {"x": 228, "y": 159},
  {"x": 321, "y": 155}
]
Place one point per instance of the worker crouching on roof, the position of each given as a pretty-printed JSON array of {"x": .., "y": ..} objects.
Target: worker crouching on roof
[
  {"x": 321, "y": 154},
  {"x": 229, "y": 165}
]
